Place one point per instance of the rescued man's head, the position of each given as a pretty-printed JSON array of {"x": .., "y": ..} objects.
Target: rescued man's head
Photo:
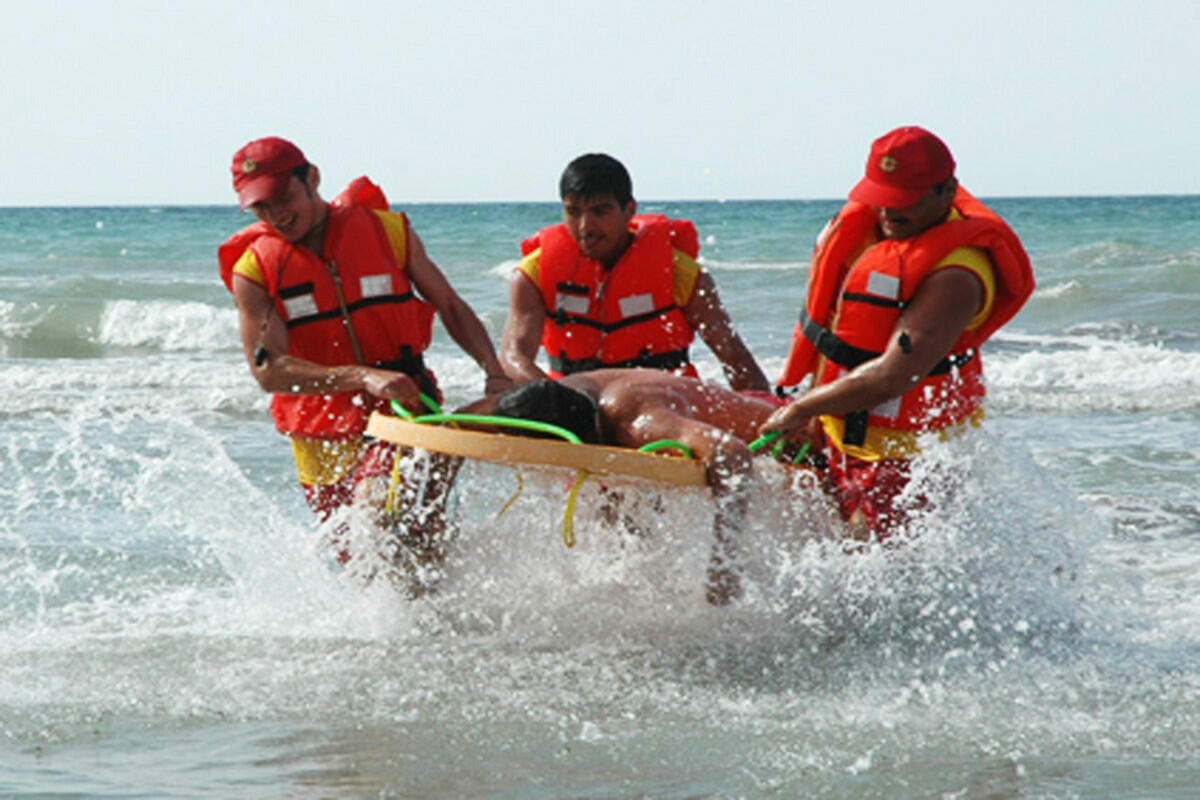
[{"x": 551, "y": 402}]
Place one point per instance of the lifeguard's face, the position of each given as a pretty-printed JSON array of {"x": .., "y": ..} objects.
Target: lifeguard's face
[
  {"x": 294, "y": 212},
  {"x": 599, "y": 225},
  {"x": 904, "y": 223}
]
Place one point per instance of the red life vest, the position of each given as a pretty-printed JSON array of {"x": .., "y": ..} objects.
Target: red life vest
[
  {"x": 853, "y": 305},
  {"x": 361, "y": 192},
  {"x": 392, "y": 325},
  {"x": 623, "y": 317}
]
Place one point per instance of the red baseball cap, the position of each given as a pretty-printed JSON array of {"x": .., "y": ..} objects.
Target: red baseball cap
[
  {"x": 902, "y": 167},
  {"x": 262, "y": 168}
]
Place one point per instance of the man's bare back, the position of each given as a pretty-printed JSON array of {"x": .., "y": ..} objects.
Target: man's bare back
[{"x": 637, "y": 405}]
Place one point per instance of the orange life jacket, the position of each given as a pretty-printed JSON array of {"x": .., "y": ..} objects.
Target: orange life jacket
[
  {"x": 853, "y": 305},
  {"x": 361, "y": 192},
  {"x": 623, "y": 317},
  {"x": 392, "y": 325}
]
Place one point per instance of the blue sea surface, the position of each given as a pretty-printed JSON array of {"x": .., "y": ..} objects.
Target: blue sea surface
[{"x": 175, "y": 626}]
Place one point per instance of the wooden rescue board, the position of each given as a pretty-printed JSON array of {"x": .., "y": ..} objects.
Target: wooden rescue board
[{"x": 514, "y": 449}]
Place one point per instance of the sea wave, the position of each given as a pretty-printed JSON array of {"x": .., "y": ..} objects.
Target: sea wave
[
  {"x": 1063, "y": 289},
  {"x": 752, "y": 266},
  {"x": 1131, "y": 261},
  {"x": 1096, "y": 375},
  {"x": 181, "y": 383},
  {"x": 172, "y": 384},
  {"x": 504, "y": 268},
  {"x": 168, "y": 326},
  {"x": 19, "y": 321},
  {"x": 89, "y": 328}
]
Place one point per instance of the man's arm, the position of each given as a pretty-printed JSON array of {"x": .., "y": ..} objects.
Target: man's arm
[
  {"x": 280, "y": 373},
  {"x": 708, "y": 317},
  {"x": 939, "y": 312},
  {"x": 523, "y": 330},
  {"x": 460, "y": 320}
]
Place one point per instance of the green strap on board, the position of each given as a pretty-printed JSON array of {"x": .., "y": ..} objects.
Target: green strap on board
[{"x": 780, "y": 443}]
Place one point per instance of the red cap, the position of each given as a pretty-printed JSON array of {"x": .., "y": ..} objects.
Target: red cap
[
  {"x": 902, "y": 167},
  {"x": 262, "y": 168}
]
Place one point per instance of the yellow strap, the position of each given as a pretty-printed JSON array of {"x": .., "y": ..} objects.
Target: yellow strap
[
  {"x": 516, "y": 494},
  {"x": 568, "y": 528},
  {"x": 393, "y": 484}
]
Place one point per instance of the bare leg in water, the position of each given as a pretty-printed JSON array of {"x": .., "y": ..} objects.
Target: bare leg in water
[
  {"x": 729, "y": 472},
  {"x": 417, "y": 526},
  {"x": 635, "y": 407}
]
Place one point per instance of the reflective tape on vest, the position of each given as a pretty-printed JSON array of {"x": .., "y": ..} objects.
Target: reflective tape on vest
[
  {"x": 304, "y": 305},
  {"x": 635, "y": 305},
  {"x": 572, "y": 303},
  {"x": 375, "y": 285},
  {"x": 884, "y": 285}
]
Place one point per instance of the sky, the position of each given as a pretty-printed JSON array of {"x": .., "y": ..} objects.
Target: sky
[{"x": 111, "y": 102}]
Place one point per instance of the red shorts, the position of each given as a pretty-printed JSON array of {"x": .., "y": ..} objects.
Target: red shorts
[
  {"x": 324, "y": 499},
  {"x": 869, "y": 490}
]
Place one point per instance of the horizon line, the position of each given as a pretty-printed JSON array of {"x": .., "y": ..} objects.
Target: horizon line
[{"x": 402, "y": 203}]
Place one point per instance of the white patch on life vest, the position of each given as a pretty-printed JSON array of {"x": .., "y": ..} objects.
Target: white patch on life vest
[
  {"x": 375, "y": 285},
  {"x": 888, "y": 410},
  {"x": 572, "y": 303},
  {"x": 884, "y": 285},
  {"x": 637, "y": 304},
  {"x": 302, "y": 305}
]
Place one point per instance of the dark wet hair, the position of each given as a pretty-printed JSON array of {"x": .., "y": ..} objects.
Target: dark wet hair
[
  {"x": 596, "y": 175},
  {"x": 550, "y": 401}
]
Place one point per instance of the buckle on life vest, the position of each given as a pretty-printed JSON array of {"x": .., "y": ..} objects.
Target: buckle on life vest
[
  {"x": 855, "y": 432},
  {"x": 412, "y": 365}
]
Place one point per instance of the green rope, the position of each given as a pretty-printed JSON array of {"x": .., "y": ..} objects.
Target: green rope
[
  {"x": 405, "y": 414},
  {"x": 763, "y": 441},
  {"x": 400, "y": 411},
  {"x": 780, "y": 444},
  {"x": 668, "y": 444},
  {"x": 504, "y": 422}
]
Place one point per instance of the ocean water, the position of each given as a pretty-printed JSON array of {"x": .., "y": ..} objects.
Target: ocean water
[{"x": 172, "y": 625}]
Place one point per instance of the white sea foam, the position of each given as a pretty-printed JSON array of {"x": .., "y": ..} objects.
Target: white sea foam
[
  {"x": 752, "y": 266},
  {"x": 168, "y": 325},
  {"x": 19, "y": 321},
  {"x": 1123, "y": 255},
  {"x": 504, "y": 268},
  {"x": 1096, "y": 375},
  {"x": 1063, "y": 289},
  {"x": 173, "y": 385}
]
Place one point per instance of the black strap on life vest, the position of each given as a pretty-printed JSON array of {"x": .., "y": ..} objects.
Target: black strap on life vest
[
  {"x": 413, "y": 365},
  {"x": 333, "y": 313},
  {"x": 873, "y": 300},
  {"x": 561, "y": 318},
  {"x": 847, "y": 355},
  {"x": 664, "y": 361}
]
